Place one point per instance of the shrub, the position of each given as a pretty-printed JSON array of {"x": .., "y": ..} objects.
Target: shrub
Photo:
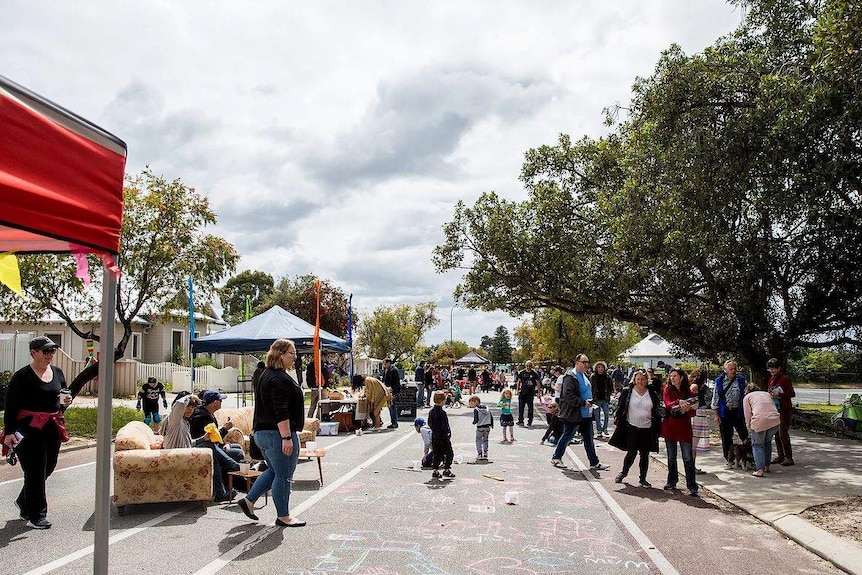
[
  {"x": 81, "y": 421},
  {"x": 204, "y": 361},
  {"x": 5, "y": 376}
]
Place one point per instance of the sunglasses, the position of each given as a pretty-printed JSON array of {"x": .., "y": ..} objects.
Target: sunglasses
[{"x": 48, "y": 351}]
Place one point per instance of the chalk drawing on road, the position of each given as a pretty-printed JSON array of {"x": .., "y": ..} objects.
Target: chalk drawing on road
[{"x": 367, "y": 553}]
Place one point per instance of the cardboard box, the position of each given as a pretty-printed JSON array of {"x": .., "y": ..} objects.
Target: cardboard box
[{"x": 328, "y": 428}]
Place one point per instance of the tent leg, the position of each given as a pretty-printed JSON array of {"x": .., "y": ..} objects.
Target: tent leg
[{"x": 102, "y": 515}]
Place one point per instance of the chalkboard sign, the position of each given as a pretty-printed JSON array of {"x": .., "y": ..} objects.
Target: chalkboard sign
[{"x": 406, "y": 400}]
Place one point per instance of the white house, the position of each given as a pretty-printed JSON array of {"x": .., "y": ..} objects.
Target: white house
[
  {"x": 153, "y": 339},
  {"x": 652, "y": 351}
]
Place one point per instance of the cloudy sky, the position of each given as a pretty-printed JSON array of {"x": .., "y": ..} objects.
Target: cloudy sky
[{"x": 334, "y": 138}]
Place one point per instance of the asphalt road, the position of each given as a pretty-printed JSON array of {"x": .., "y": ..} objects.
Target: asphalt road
[
  {"x": 834, "y": 396},
  {"x": 375, "y": 516}
]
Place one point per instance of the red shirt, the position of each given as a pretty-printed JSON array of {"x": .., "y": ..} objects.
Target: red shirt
[{"x": 676, "y": 428}]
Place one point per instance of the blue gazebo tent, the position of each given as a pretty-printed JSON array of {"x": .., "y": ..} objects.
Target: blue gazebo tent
[{"x": 257, "y": 334}]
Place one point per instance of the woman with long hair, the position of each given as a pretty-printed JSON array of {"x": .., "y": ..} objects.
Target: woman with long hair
[
  {"x": 637, "y": 426},
  {"x": 279, "y": 415},
  {"x": 700, "y": 423},
  {"x": 676, "y": 429}
]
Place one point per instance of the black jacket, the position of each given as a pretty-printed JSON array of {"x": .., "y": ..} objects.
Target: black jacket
[
  {"x": 618, "y": 439},
  {"x": 392, "y": 380},
  {"x": 278, "y": 398},
  {"x": 570, "y": 399}
]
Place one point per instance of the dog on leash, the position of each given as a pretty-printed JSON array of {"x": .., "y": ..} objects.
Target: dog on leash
[{"x": 742, "y": 456}]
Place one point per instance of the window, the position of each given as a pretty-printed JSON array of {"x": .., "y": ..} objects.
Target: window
[
  {"x": 177, "y": 351},
  {"x": 136, "y": 345},
  {"x": 56, "y": 338}
]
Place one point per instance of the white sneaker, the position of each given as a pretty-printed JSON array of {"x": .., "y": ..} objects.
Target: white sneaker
[
  {"x": 558, "y": 464},
  {"x": 600, "y": 467}
]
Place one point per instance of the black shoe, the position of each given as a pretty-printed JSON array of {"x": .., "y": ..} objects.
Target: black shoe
[
  {"x": 392, "y": 426},
  {"x": 42, "y": 523},
  {"x": 435, "y": 475},
  {"x": 787, "y": 462},
  {"x": 225, "y": 497},
  {"x": 693, "y": 493},
  {"x": 520, "y": 424},
  {"x": 645, "y": 484},
  {"x": 670, "y": 488},
  {"x": 448, "y": 474},
  {"x": 293, "y": 523},
  {"x": 248, "y": 509},
  {"x": 619, "y": 478}
]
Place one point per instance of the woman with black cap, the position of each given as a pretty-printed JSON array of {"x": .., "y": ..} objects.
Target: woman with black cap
[{"x": 34, "y": 426}]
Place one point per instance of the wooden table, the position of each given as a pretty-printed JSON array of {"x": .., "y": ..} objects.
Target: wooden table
[
  {"x": 315, "y": 454},
  {"x": 249, "y": 477}
]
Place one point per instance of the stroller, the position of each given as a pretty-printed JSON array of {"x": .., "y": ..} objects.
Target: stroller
[{"x": 850, "y": 416}]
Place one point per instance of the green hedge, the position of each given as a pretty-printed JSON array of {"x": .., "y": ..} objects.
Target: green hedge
[
  {"x": 5, "y": 376},
  {"x": 81, "y": 421}
]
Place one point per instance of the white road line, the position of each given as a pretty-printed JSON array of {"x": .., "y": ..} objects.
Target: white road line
[
  {"x": 222, "y": 561},
  {"x": 640, "y": 537},
  {"x": 125, "y": 534},
  {"x": 56, "y": 471}
]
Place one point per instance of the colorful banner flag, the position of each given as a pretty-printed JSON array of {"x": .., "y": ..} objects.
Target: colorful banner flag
[
  {"x": 191, "y": 326},
  {"x": 350, "y": 333},
  {"x": 10, "y": 274},
  {"x": 318, "y": 373}
]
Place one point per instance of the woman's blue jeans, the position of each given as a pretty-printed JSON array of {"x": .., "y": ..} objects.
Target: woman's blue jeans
[
  {"x": 687, "y": 463},
  {"x": 279, "y": 472},
  {"x": 601, "y": 408},
  {"x": 761, "y": 446}
]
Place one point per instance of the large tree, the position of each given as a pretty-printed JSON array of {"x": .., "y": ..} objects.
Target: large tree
[
  {"x": 162, "y": 244},
  {"x": 299, "y": 296},
  {"x": 559, "y": 336},
  {"x": 396, "y": 331},
  {"x": 499, "y": 346},
  {"x": 251, "y": 286},
  {"x": 722, "y": 211}
]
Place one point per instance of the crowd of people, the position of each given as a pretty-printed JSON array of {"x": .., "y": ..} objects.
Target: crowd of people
[{"x": 579, "y": 402}]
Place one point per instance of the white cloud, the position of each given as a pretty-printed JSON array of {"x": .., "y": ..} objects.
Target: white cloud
[{"x": 334, "y": 138}]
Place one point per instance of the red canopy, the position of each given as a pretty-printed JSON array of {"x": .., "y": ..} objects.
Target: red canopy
[
  {"x": 61, "y": 186},
  {"x": 61, "y": 177}
]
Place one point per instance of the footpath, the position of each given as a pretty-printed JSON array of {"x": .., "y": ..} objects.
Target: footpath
[{"x": 827, "y": 470}]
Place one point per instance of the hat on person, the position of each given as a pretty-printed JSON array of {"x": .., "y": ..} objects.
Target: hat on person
[
  {"x": 43, "y": 343},
  {"x": 151, "y": 380},
  {"x": 211, "y": 395},
  {"x": 418, "y": 422},
  {"x": 773, "y": 362}
]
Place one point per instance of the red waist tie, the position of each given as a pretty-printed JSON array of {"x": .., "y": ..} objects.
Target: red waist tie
[{"x": 41, "y": 418}]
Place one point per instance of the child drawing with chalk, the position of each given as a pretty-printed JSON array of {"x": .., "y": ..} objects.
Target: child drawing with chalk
[
  {"x": 441, "y": 438},
  {"x": 506, "y": 419},
  {"x": 425, "y": 432}
]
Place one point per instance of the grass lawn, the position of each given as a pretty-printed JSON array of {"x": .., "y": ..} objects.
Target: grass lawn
[
  {"x": 821, "y": 407},
  {"x": 81, "y": 421}
]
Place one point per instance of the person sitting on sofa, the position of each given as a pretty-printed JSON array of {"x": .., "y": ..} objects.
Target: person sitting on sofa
[
  {"x": 225, "y": 458},
  {"x": 175, "y": 429}
]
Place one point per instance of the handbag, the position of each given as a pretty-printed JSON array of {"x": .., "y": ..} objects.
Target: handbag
[{"x": 253, "y": 450}]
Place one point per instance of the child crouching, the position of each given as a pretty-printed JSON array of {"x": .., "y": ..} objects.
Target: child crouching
[
  {"x": 484, "y": 422},
  {"x": 441, "y": 438}
]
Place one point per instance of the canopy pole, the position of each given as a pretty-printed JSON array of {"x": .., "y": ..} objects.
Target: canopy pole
[{"x": 102, "y": 515}]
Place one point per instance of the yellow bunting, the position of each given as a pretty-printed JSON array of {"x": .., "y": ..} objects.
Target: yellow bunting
[{"x": 10, "y": 275}]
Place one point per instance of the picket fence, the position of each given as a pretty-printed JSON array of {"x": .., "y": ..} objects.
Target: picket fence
[{"x": 128, "y": 373}]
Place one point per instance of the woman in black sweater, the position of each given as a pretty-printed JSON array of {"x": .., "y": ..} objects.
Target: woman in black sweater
[
  {"x": 34, "y": 410},
  {"x": 279, "y": 414}
]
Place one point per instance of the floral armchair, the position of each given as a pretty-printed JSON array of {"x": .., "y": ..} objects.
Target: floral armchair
[{"x": 144, "y": 473}]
